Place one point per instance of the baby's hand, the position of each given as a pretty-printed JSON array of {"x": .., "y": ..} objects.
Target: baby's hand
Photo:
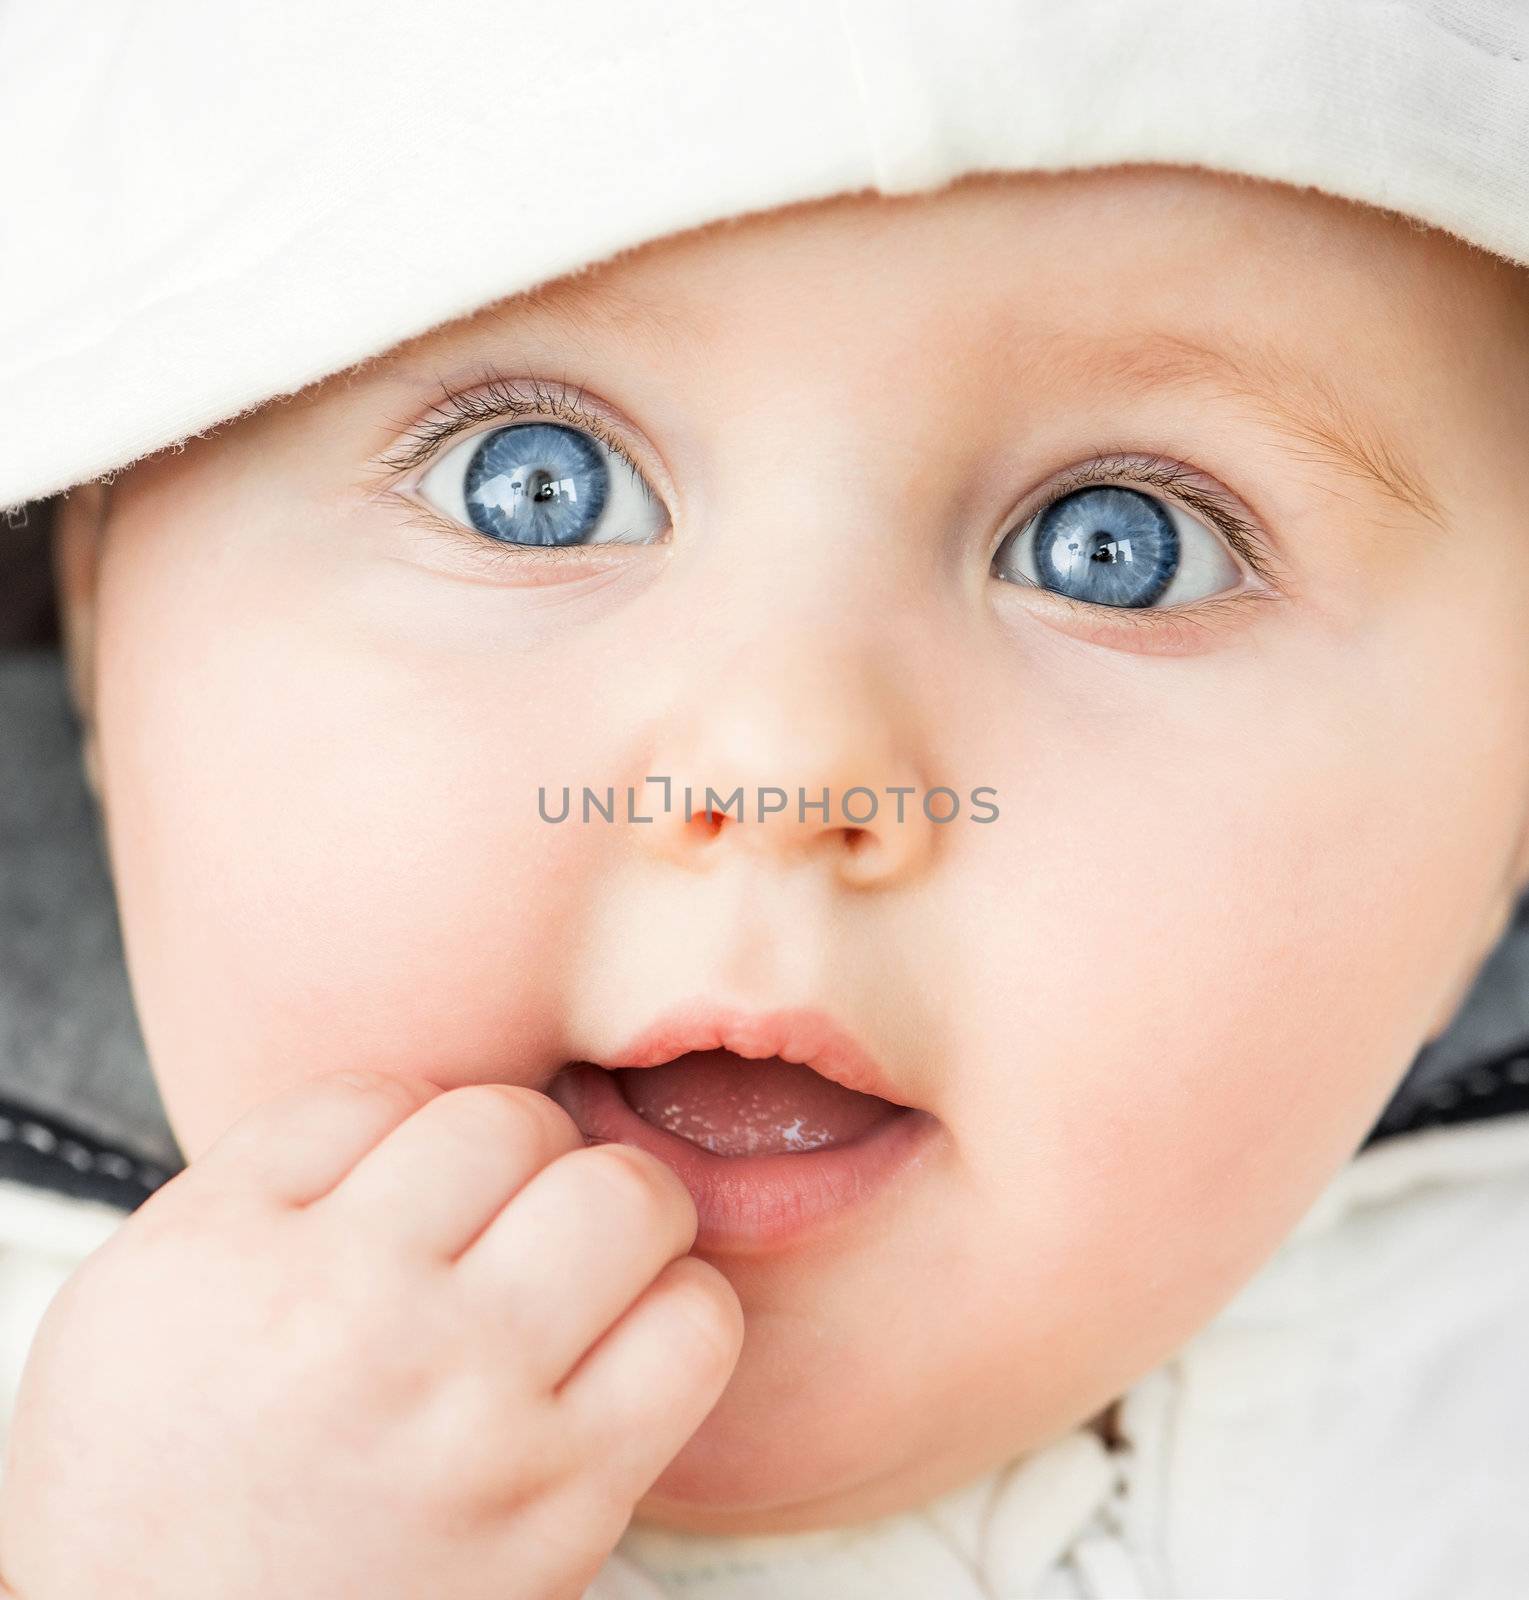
[{"x": 383, "y": 1341}]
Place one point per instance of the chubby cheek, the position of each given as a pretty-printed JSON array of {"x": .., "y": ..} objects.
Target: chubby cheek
[
  {"x": 1192, "y": 1008},
  {"x": 327, "y": 844}
]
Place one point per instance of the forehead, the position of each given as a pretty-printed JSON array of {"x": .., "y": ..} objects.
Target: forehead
[{"x": 1115, "y": 246}]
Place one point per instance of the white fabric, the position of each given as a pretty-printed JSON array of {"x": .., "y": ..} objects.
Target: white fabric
[
  {"x": 203, "y": 206},
  {"x": 1353, "y": 1425}
]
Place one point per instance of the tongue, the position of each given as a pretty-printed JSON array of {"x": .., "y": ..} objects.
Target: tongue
[{"x": 734, "y": 1106}]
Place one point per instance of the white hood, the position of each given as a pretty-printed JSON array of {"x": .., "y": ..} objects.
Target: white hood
[{"x": 207, "y": 206}]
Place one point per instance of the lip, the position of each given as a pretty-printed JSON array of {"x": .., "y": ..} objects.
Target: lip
[
  {"x": 806, "y": 1036},
  {"x": 751, "y": 1205}
]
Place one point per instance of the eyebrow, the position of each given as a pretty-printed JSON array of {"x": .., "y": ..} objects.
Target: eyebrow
[
  {"x": 593, "y": 310},
  {"x": 1305, "y": 407},
  {"x": 598, "y": 309}
]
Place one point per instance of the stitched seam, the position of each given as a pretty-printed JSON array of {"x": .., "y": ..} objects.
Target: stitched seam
[
  {"x": 53, "y": 1146},
  {"x": 1469, "y": 1090}
]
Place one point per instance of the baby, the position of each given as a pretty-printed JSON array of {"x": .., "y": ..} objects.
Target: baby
[{"x": 580, "y": 1135}]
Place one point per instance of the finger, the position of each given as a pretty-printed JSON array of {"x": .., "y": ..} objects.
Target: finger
[
  {"x": 442, "y": 1176},
  {"x": 641, "y": 1392},
  {"x": 297, "y": 1145},
  {"x": 568, "y": 1255}
]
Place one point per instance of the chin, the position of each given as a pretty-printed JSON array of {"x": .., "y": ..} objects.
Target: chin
[{"x": 738, "y": 1482}]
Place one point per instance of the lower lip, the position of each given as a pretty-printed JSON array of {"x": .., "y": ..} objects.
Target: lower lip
[{"x": 753, "y": 1204}]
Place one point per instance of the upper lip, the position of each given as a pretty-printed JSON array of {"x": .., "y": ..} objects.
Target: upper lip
[{"x": 801, "y": 1034}]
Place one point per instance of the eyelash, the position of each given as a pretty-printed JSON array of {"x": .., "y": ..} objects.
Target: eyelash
[
  {"x": 491, "y": 401},
  {"x": 495, "y": 399}
]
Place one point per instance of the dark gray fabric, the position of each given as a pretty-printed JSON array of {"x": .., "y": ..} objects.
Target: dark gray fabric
[
  {"x": 69, "y": 1039},
  {"x": 1480, "y": 1065},
  {"x": 71, "y": 1050},
  {"x": 28, "y": 610}
]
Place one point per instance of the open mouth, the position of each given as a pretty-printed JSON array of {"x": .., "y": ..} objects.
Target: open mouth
[
  {"x": 735, "y": 1105},
  {"x": 768, "y": 1147}
]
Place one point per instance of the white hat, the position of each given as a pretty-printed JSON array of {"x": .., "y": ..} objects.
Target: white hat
[{"x": 205, "y": 206}]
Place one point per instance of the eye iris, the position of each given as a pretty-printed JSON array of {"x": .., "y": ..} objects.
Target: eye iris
[
  {"x": 536, "y": 483},
  {"x": 1107, "y": 545}
]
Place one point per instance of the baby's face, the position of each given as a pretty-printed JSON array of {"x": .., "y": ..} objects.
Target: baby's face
[{"x": 1253, "y": 723}]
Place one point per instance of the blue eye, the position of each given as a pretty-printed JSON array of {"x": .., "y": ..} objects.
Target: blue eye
[
  {"x": 543, "y": 483},
  {"x": 1108, "y": 545}
]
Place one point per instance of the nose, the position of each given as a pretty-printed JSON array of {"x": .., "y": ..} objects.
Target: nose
[{"x": 807, "y": 753}]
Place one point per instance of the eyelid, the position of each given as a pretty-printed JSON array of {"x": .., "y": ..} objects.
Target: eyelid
[
  {"x": 1184, "y": 483},
  {"x": 497, "y": 400}
]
